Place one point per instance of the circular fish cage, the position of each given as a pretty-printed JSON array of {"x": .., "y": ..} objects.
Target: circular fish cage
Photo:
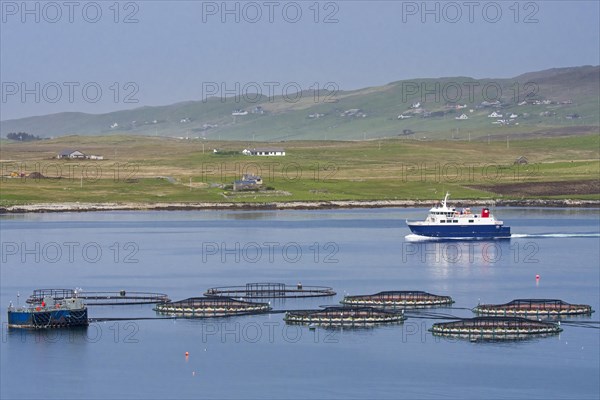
[
  {"x": 268, "y": 290},
  {"x": 495, "y": 328},
  {"x": 207, "y": 307},
  {"x": 117, "y": 298},
  {"x": 398, "y": 299},
  {"x": 534, "y": 308},
  {"x": 344, "y": 316}
]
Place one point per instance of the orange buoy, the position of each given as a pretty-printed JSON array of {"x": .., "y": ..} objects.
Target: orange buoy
[
  {"x": 537, "y": 277},
  {"x": 187, "y": 354}
]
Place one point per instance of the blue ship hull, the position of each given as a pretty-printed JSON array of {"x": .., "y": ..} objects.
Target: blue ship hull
[
  {"x": 47, "y": 319},
  {"x": 461, "y": 231}
]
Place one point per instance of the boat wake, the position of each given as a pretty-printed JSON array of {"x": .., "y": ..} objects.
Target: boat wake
[
  {"x": 418, "y": 238},
  {"x": 555, "y": 235}
]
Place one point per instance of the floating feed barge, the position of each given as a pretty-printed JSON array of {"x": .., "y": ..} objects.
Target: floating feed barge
[
  {"x": 270, "y": 291},
  {"x": 206, "y": 307},
  {"x": 344, "y": 316},
  {"x": 533, "y": 308},
  {"x": 67, "y": 311},
  {"x": 398, "y": 299},
  {"x": 117, "y": 298},
  {"x": 495, "y": 328}
]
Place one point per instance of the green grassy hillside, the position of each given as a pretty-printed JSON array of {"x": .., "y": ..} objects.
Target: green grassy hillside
[{"x": 571, "y": 97}]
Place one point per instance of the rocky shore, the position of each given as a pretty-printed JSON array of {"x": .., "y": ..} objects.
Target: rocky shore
[{"x": 292, "y": 205}]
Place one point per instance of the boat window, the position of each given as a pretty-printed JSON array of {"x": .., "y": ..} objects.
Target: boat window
[
  {"x": 455, "y": 221},
  {"x": 471, "y": 220},
  {"x": 442, "y": 221}
]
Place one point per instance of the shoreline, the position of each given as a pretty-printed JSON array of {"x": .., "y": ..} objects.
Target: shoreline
[{"x": 292, "y": 205}]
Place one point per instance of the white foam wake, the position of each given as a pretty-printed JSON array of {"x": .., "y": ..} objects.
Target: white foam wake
[
  {"x": 418, "y": 238},
  {"x": 555, "y": 235}
]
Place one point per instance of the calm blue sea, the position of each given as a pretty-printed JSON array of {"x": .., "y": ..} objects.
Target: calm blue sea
[{"x": 354, "y": 251}]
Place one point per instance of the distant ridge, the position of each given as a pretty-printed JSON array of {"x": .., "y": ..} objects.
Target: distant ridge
[{"x": 571, "y": 97}]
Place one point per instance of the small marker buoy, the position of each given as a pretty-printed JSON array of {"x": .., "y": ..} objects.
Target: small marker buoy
[
  {"x": 187, "y": 354},
  {"x": 537, "y": 277}
]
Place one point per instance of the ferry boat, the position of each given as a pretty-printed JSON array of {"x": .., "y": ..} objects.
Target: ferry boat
[
  {"x": 56, "y": 308},
  {"x": 448, "y": 222}
]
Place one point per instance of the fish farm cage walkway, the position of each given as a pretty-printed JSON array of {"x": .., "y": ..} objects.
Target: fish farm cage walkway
[
  {"x": 118, "y": 298},
  {"x": 395, "y": 299},
  {"x": 344, "y": 316},
  {"x": 206, "y": 307},
  {"x": 495, "y": 328},
  {"x": 534, "y": 308},
  {"x": 270, "y": 291}
]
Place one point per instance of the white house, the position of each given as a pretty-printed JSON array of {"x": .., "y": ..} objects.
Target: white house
[
  {"x": 71, "y": 154},
  {"x": 513, "y": 116},
  {"x": 239, "y": 112},
  {"x": 416, "y": 105},
  {"x": 495, "y": 115},
  {"x": 114, "y": 126},
  {"x": 402, "y": 116},
  {"x": 264, "y": 151},
  {"x": 462, "y": 116}
]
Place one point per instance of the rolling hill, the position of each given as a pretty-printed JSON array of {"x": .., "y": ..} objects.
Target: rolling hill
[{"x": 560, "y": 99}]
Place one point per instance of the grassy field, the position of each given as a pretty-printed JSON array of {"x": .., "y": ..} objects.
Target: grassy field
[{"x": 154, "y": 169}]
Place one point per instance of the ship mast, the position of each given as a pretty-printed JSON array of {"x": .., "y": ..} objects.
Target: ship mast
[{"x": 445, "y": 198}]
